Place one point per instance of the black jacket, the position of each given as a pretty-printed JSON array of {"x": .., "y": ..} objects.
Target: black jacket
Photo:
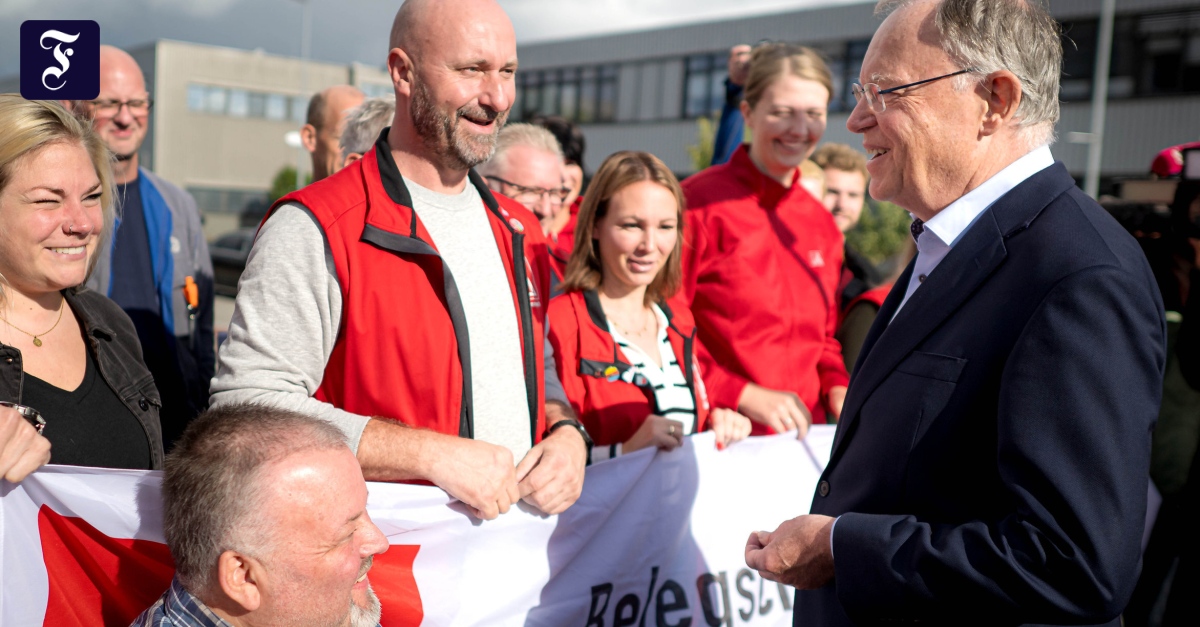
[
  {"x": 114, "y": 344},
  {"x": 991, "y": 463}
]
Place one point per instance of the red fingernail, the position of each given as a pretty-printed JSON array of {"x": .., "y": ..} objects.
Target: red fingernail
[{"x": 720, "y": 447}]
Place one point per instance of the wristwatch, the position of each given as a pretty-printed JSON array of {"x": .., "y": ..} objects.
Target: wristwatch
[{"x": 571, "y": 422}]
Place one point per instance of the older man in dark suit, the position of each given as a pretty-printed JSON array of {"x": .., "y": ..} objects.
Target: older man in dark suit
[{"x": 992, "y": 459}]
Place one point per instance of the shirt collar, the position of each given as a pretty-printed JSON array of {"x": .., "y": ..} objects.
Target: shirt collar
[
  {"x": 187, "y": 611},
  {"x": 950, "y": 223}
]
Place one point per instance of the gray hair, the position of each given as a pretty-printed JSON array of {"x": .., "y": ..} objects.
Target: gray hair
[
  {"x": 520, "y": 134},
  {"x": 212, "y": 488},
  {"x": 1015, "y": 35},
  {"x": 364, "y": 123}
]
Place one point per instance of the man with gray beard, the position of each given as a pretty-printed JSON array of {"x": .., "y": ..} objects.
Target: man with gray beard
[
  {"x": 404, "y": 302},
  {"x": 265, "y": 513}
]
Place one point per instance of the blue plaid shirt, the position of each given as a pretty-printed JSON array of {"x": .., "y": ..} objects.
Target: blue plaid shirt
[{"x": 178, "y": 608}]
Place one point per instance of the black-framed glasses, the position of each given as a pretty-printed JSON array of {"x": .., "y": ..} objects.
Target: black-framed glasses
[
  {"x": 110, "y": 108},
  {"x": 556, "y": 195},
  {"x": 871, "y": 92}
]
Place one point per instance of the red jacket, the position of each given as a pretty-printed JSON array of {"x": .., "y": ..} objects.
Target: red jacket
[
  {"x": 398, "y": 353},
  {"x": 589, "y": 365},
  {"x": 875, "y": 296},
  {"x": 564, "y": 244},
  {"x": 761, "y": 267}
]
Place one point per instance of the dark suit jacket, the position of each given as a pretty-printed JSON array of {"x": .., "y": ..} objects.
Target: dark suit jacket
[{"x": 991, "y": 463}]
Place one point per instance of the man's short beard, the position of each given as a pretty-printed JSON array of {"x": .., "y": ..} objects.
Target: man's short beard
[
  {"x": 454, "y": 150},
  {"x": 366, "y": 616}
]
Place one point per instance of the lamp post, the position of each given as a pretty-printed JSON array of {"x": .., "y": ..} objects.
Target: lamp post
[
  {"x": 305, "y": 49},
  {"x": 1091, "y": 181}
]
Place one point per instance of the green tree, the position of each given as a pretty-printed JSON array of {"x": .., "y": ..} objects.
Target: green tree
[
  {"x": 284, "y": 183},
  {"x": 702, "y": 151},
  {"x": 881, "y": 232}
]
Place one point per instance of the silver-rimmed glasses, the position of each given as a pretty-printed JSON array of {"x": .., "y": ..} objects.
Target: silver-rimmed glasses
[{"x": 872, "y": 92}]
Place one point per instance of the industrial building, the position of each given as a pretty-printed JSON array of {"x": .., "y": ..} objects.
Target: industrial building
[
  {"x": 647, "y": 90},
  {"x": 220, "y": 114}
]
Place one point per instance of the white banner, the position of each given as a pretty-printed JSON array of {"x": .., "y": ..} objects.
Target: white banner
[{"x": 656, "y": 539}]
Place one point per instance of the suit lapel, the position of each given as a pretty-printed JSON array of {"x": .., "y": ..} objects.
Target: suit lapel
[{"x": 980, "y": 251}]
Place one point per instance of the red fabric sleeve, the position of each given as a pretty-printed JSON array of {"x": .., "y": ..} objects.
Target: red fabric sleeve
[{"x": 724, "y": 387}]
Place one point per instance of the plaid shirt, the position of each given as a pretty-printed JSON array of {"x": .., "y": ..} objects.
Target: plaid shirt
[{"x": 178, "y": 608}]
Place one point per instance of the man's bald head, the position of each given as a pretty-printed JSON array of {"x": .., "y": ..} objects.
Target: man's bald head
[
  {"x": 452, "y": 63},
  {"x": 323, "y": 130},
  {"x": 415, "y": 19},
  {"x": 120, "y": 113},
  {"x": 113, "y": 61}
]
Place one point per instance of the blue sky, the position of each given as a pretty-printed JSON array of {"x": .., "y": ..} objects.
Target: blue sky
[{"x": 350, "y": 30}]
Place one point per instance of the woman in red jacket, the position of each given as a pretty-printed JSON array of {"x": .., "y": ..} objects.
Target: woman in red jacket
[
  {"x": 626, "y": 359},
  {"x": 763, "y": 257}
]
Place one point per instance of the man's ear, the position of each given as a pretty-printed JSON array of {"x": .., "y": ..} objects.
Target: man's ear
[
  {"x": 351, "y": 158},
  {"x": 308, "y": 137},
  {"x": 239, "y": 577},
  {"x": 1003, "y": 99},
  {"x": 400, "y": 68}
]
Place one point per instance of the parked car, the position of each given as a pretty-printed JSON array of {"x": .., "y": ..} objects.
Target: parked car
[{"x": 229, "y": 253}]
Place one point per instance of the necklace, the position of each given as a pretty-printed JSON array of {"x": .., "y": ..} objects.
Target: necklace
[
  {"x": 37, "y": 339},
  {"x": 645, "y": 325}
]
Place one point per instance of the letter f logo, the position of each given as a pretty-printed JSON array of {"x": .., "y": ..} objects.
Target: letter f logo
[
  {"x": 60, "y": 59},
  {"x": 59, "y": 55}
]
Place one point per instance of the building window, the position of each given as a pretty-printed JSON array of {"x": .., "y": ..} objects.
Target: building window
[
  {"x": 299, "y": 109},
  {"x": 1170, "y": 52},
  {"x": 239, "y": 103},
  {"x": 257, "y": 104},
  {"x": 606, "y": 109},
  {"x": 569, "y": 93},
  {"x": 587, "y": 95},
  {"x": 704, "y": 84},
  {"x": 855, "y": 51},
  {"x": 581, "y": 94},
  {"x": 195, "y": 97},
  {"x": 215, "y": 100},
  {"x": 549, "y": 103},
  {"x": 243, "y": 103},
  {"x": 276, "y": 107}
]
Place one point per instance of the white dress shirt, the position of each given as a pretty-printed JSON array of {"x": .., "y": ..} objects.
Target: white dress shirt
[{"x": 945, "y": 229}]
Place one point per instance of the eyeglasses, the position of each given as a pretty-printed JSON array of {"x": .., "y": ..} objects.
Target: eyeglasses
[
  {"x": 110, "y": 108},
  {"x": 557, "y": 195},
  {"x": 871, "y": 92}
]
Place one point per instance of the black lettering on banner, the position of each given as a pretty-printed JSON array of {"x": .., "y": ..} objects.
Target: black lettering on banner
[
  {"x": 764, "y": 604},
  {"x": 596, "y": 616},
  {"x": 703, "y": 582},
  {"x": 678, "y": 602},
  {"x": 785, "y": 597},
  {"x": 649, "y": 595},
  {"x": 748, "y": 595},
  {"x": 628, "y": 602}
]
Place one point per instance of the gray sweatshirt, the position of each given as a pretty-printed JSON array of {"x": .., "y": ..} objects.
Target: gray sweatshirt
[{"x": 289, "y": 308}]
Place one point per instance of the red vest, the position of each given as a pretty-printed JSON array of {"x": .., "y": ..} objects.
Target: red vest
[
  {"x": 401, "y": 351},
  {"x": 875, "y": 296},
  {"x": 590, "y": 364}
]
